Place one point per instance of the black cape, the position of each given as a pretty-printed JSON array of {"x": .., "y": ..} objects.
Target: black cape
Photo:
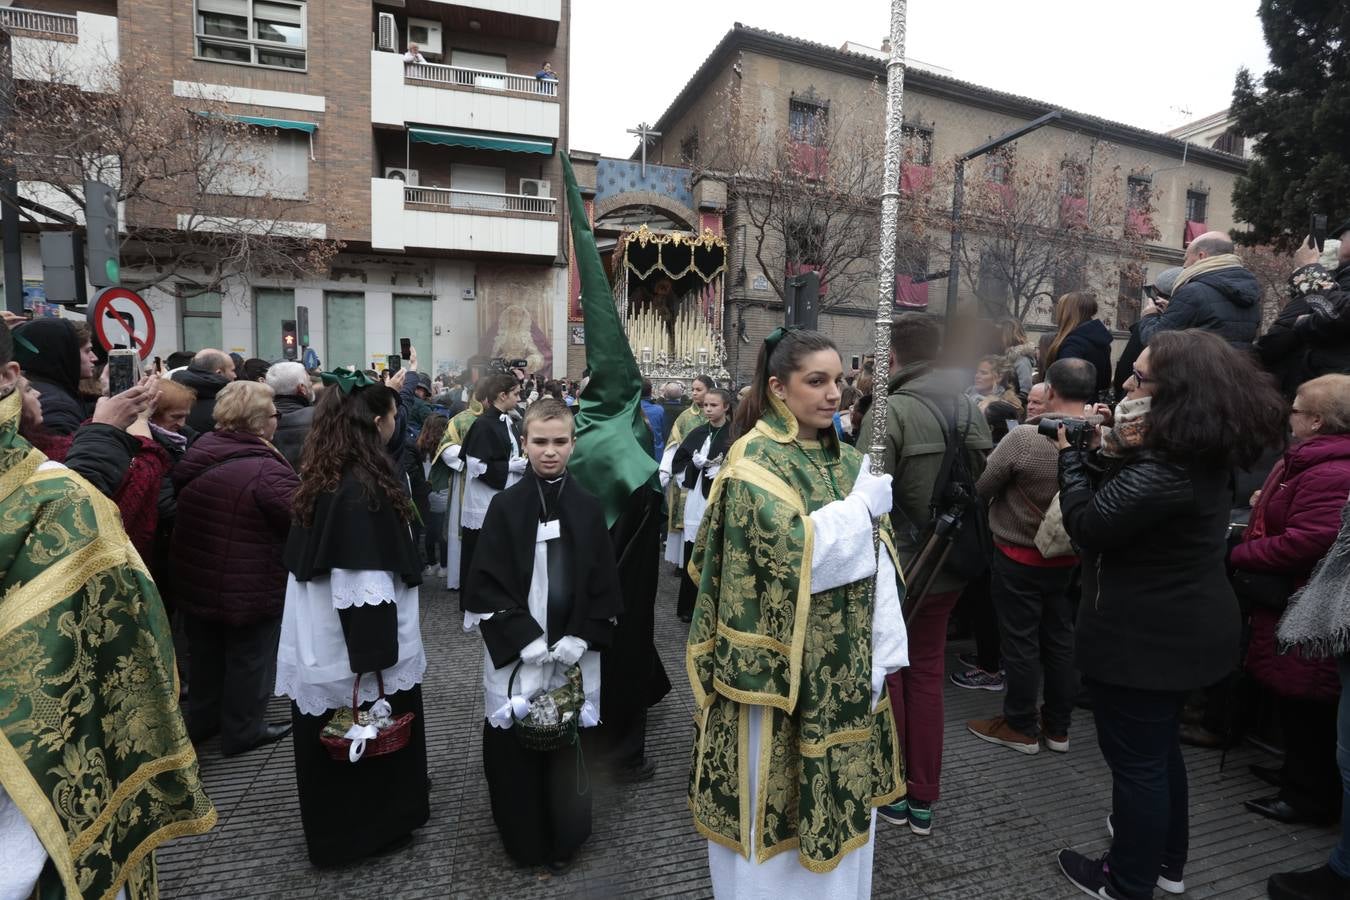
[
  {"x": 694, "y": 477},
  {"x": 488, "y": 441},
  {"x": 503, "y": 566}
]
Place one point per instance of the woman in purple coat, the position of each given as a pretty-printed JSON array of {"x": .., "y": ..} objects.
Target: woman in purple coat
[
  {"x": 234, "y": 513},
  {"x": 1294, "y": 522}
]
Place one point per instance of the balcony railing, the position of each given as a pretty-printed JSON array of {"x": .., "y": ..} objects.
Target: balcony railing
[
  {"x": 479, "y": 200},
  {"x": 482, "y": 78},
  {"x": 42, "y": 22}
]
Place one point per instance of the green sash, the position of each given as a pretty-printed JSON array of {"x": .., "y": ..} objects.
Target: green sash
[
  {"x": 92, "y": 745},
  {"x": 685, "y": 422},
  {"x": 455, "y": 432},
  {"x": 761, "y": 638}
]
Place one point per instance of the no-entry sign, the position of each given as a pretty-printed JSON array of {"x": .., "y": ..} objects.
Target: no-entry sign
[{"x": 121, "y": 318}]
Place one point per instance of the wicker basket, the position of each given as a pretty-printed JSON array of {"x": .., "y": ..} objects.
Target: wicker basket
[
  {"x": 542, "y": 738},
  {"x": 390, "y": 739}
]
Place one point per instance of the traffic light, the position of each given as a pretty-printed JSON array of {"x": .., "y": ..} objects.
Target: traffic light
[
  {"x": 290, "y": 343},
  {"x": 100, "y": 221},
  {"x": 302, "y": 323},
  {"x": 62, "y": 266}
]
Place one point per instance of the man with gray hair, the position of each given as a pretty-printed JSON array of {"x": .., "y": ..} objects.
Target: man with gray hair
[
  {"x": 1214, "y": 292},
  {"x": 207, "y": 374},
  {"x": 294, "y": 401}
]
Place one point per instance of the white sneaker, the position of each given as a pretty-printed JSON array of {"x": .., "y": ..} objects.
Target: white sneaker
[{"x": 1169, "y": 885}]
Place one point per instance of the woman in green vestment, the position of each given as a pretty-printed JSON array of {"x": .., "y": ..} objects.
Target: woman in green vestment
[{"x": 792, "y": 637}]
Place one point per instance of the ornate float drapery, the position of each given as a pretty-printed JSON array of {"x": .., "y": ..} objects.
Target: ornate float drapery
[{"x": 669, "y": 289}]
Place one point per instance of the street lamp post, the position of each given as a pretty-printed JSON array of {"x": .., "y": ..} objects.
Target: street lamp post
[{"x": 959, "y": 196}]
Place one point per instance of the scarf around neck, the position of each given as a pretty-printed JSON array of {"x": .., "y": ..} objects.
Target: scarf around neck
[
  {"x": 1129, "y": 429},
  {"x": 1208, "y": 264},
  {"x": 1317, "y": 621}
]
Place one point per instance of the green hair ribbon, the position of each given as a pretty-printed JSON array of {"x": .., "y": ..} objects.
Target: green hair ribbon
[{"x": 347, "y": 380}]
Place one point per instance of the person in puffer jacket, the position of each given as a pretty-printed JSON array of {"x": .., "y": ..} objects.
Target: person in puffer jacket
[
  {"x": 1214, "y": 292},
  {"x": 1311, "y": 335},
  {"x": 234, "y": 513}
]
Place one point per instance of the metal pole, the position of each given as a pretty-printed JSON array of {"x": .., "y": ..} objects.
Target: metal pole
[
  {"x": 954, "y": 264},
  {"x": 9, "y": 187},
  {"x": 890, "y": 216}
]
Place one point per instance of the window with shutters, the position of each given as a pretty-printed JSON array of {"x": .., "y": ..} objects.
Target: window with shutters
[
  {"x": 263, "y": 162},
  {"x": 269, "y": 33}
]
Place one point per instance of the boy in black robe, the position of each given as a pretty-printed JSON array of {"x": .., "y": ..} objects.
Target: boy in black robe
[{"x": 543, "y": 589}]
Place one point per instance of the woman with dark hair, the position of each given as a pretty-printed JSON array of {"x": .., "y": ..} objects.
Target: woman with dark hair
[
  {"x": 351, "y": 611},
  {"x": 793, "y": 634},
  {"x": 1149, "y": 512},
  {"x": 1080, "y": 335},
  {"x": 433, "y": 430},
  {"x": 697, "y": 461},
  {"x": 492, "y": 460}
]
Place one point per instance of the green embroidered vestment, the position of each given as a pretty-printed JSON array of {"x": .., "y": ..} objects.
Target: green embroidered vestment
[
  {"x": 760, "y": 638},
  {"x": 93, "y": 749}
]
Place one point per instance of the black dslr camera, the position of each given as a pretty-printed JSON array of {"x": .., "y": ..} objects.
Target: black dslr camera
[{"x": 1078, "y": 432}]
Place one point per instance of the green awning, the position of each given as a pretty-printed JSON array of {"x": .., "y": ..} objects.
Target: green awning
[
  {"x": 264, "y": 122},
  {"x": 480, "y": 141}
]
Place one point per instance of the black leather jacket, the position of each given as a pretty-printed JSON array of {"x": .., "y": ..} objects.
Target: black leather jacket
[{"x": 1157, "y": 611}]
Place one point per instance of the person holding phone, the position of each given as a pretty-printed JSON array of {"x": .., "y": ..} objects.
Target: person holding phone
[{"x": 1311, "y": 335}]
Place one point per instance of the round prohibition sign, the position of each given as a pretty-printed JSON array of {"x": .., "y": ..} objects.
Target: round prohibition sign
[{"x": 121, "y": 316}]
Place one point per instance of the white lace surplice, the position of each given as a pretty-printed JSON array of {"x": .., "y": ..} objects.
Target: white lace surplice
[
  {"x": 842, "y": 554},
  {"x": 478, "y": 493},
  {"x": 312, "y": 665}
]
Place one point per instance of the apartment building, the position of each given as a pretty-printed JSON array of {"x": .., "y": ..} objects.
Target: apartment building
[
  {"x": 439, "y": 173},
  {"x": 781, "y": 81}
]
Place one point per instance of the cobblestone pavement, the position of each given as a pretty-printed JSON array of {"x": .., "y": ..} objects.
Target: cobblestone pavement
[{"x": 1001, "y": 817}]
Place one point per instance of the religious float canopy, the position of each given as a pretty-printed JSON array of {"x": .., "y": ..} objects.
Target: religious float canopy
[{"x": 669, "y": 290}]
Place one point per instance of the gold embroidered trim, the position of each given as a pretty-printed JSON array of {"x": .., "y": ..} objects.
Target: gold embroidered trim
[
  {"x": 816, "y": 749},
  {"x": 743, "y": 772},
  {"x": 27, "y": 795},
  {"x": 750, "y": 639},
  {"x": 134, "y": 783},
  {"x": 170, "y": 832},
  {"x": 765, "y": 760}
]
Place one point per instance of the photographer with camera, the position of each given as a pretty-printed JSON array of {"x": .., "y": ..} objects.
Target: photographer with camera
[
  {"x": 1149, "y": 513},
  {"x": 1031, "y": 578},
  {"x": 936, "y": 443}
]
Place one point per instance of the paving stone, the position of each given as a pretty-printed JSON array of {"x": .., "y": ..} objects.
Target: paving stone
[{"x": 1000, "y": 821}]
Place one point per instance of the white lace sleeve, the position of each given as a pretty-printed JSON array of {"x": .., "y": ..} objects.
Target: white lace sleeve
[
  {"x": 362, "y": 587},
  {"x": 842, "y": 551},
  {"x": 476, "y": 467}
]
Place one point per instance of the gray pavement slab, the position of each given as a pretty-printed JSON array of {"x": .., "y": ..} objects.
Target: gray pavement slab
[{"x": 1001, "y": 818}]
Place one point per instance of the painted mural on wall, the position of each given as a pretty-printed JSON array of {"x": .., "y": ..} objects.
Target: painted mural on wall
[{"x": 515, "y": 321}]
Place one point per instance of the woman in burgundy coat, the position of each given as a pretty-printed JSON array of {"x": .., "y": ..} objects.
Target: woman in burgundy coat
[
  {"x": 234, "y": 513},
  {"x": 1294, "y": 523}
]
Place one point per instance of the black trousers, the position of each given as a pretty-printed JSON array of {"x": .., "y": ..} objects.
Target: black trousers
[
  {"x": 541, "y": 812},
  {"x": 468, "y": 540},
  {"x": 232, "y": 671},
  {"x": 1033, "y": 613},
  {"x": 1139, "y": 735},
  {"x": 684, "y": 605},
  {"x": 976, "y": 609},
  {"x": 1311, "y": 777}
]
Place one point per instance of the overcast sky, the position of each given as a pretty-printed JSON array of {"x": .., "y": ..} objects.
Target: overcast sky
[{"x": 1150, "y": 63}]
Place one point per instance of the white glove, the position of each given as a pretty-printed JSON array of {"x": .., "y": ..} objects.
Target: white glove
[
  {"x": 535, "y": 652},
  {"x": 875, "y": 490},
  {"x": 569, "y": 649},
  {"x": 665, "y": 479},
  {"x": 699, "y": 460},
  {"x": 517, "y": 465},
  {"x": 451, "y": 457}
]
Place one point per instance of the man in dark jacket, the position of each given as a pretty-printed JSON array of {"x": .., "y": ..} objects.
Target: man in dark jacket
[
  {"x": 208, "y": 373},
  {"x": 1311, "y": 336},
  {"x": 60, "y": 355},
  {"x": 656, "y": 419},
  {"x": 1214, "y": 292},
  {"x": 294, "y": 399},
  {"x": 1161, "y": 289}
]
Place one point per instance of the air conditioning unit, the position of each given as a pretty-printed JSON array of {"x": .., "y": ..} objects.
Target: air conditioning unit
[
  {"x": 468, "y": 294},
  {"x": 426, "y": 34},
  {"x": 386, "y": 36},
  {"x": 535, "y": 187},
  {"x": 407, "y": 176}
]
